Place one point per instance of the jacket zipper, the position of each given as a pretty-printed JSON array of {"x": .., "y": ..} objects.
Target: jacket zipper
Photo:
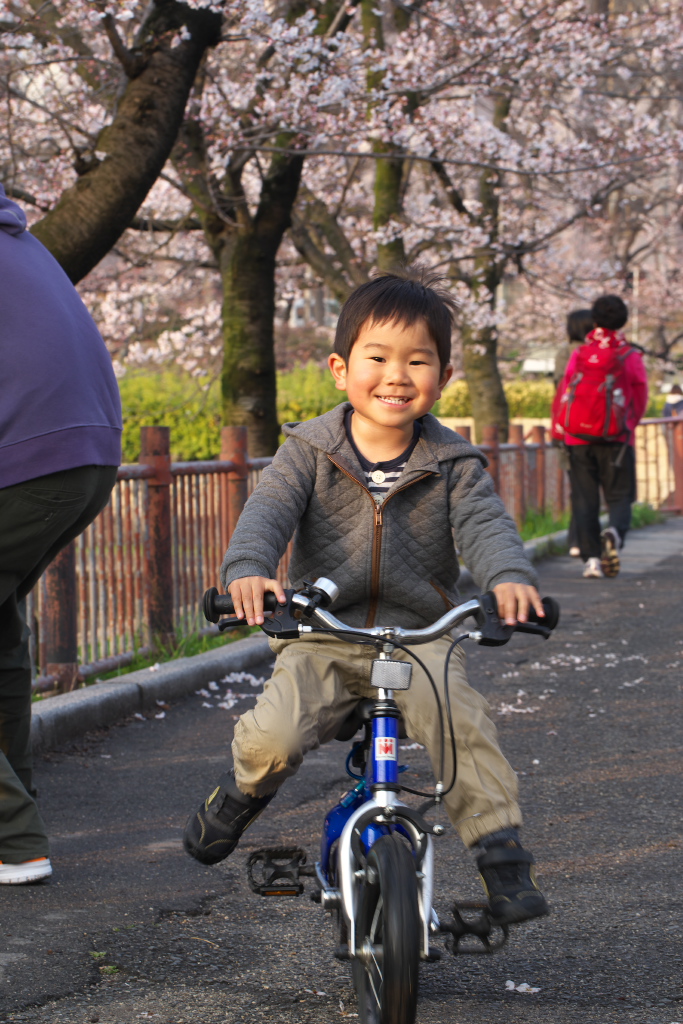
[
  {"x": 376, "y": 537},
  {"x": 442, "y": 594}
]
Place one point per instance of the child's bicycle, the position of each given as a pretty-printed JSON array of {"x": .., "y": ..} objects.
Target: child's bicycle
[{"x": 376, "y": 866}]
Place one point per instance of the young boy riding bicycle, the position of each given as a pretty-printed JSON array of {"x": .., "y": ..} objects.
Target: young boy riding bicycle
[{"x": 374, "y": 493}]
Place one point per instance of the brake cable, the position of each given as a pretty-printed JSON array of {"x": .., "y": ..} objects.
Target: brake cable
[{"x": 434, "y": 797}]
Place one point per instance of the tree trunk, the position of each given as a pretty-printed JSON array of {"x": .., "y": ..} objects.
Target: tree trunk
[
  {"x": 388, "y": 173},
  {"x": 245, "y": 247},
  {"x": 480, "y": 345},
  {"x": 92, "y": 215},
  {"x": 489, "y": 404},
  {"x": 248, "y": 383},
  {"x": 388, "y": 206}
]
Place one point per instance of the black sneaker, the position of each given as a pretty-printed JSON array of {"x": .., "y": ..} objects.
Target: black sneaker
[
  {"x": 214, "y": 831},
  {"x": 510, "y": 885}
]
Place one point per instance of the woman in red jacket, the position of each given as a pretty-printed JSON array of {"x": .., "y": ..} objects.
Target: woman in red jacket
[{"x": 601, "y": 400}]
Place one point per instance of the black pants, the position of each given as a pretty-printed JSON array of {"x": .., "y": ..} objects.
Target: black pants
[
  {"x": 592, "y": 466},
  {"x": 37, "y": 519}
]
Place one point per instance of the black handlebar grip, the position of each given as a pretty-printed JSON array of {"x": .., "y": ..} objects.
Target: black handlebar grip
[
  {"x": 216, "y": 604},
  {"x": 552, "y": 613}
]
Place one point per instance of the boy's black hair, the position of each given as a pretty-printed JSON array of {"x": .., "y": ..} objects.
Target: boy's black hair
[
  {"x": 402, "y": 296},
  {"x": 579, "y": 324},
  {"x": 610, "y": 312}
]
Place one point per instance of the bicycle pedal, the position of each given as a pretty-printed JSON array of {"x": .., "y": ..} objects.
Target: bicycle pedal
[
  {"x": 279, "y": 890},
  {"x": 276, "y": 871},
  {"x": 474, "y": 935}
]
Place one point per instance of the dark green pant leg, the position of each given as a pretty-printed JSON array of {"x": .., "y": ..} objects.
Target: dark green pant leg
[
  {"x": 15, "y": 685},
  {"x": 37, "y": 519},
  {"x": 22, "y": 832}
]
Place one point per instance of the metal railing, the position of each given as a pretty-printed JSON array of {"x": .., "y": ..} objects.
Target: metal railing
[{"x": 134, "y": 579}]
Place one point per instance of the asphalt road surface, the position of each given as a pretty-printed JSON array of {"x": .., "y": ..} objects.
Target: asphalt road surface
[{"x": 130, "y": 929}]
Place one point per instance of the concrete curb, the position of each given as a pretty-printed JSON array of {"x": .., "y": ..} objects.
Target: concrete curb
[{"x": 62, "y": 718}]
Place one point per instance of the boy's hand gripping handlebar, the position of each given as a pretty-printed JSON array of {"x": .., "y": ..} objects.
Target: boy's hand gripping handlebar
[{"x": 310, "y": 603}]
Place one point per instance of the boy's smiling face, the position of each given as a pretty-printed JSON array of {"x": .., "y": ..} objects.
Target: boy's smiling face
[{"x": 393, "y": 374}]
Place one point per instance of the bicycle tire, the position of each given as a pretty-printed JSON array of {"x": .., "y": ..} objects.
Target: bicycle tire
[{"x": 388, "y": 924}]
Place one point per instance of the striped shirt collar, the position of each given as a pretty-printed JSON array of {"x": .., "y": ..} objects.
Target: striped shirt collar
[{"x": 390, "y": 470}]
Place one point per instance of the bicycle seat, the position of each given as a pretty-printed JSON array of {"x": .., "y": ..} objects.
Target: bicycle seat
[{"x": 358, "y": 717}]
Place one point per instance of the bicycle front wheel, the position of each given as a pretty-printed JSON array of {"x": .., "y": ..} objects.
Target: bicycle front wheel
[{"x": 385, "y": 972}]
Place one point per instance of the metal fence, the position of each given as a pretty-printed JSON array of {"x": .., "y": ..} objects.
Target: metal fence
[{"x": 136, "y": 576}]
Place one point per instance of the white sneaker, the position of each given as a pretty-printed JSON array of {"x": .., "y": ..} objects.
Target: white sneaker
[
  {"x": 593, "y": 570},
  {"x": 29, "y": 871},
  {"x": 575, "y": 552}
]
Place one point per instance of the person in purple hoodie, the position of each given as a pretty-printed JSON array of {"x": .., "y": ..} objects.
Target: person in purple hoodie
[{"x": 60, "y": 446}]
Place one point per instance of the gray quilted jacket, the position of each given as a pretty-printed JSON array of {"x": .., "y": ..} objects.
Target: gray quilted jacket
[{"x": 395, "y": 563}]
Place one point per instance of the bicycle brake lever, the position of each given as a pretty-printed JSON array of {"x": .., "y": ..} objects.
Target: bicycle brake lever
[
  {"x": 532, "y": 627},
  {"x": 231, "y": 623},
  {"x": 494, "y": 632}
]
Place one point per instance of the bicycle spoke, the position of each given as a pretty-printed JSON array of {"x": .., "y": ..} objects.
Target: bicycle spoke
[{"x": 375, "y": 993}]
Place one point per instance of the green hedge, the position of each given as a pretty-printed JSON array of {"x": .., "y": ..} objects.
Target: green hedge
[
  {"x": 525, "y": 398},
  {"x": 305, "y": 392},
  {"x": 191, "y": 406}
]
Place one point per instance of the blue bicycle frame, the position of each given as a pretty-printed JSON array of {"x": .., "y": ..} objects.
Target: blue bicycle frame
[
  {"x": 382, "y": 768},
  {"x": 371, "y": 810}
]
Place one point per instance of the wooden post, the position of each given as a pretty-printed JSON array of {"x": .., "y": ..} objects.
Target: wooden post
[
  {"x": 538, "y": 437},
  {"x": 490, "y": 438},
  {"x": 155, "y": 451},
  {"x": 678, "y": 465},
  {"x": 60, "y": 623},
  {"x": 516, "y": 436},
  {"x": 234, "y": 449}
]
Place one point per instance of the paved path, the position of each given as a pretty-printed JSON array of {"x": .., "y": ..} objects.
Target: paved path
[{"x": 130, "y": 929}]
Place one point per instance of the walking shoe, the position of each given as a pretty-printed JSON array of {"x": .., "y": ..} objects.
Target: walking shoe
[
  {"x": 592, "y": 569},
  {"x": 575, "y": 552},
  {"x": 214, "y": 831},
  {"x": 611, "y": 542},
  {"x": 510, "y": 885},
  {"x": 27, "y": 871}
]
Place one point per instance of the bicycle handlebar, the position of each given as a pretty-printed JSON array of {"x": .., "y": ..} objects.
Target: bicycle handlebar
[{"x": 310, "y": 603}]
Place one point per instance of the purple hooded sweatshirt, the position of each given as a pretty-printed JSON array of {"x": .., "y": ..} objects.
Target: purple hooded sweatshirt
[{"x": 59, "y": 400}]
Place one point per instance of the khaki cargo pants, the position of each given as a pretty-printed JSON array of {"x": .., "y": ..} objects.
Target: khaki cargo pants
[{"x": 316, "y": 683}]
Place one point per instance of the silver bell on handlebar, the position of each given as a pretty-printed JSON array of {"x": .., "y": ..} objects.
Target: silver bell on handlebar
[{"x": 329, "y": 589}]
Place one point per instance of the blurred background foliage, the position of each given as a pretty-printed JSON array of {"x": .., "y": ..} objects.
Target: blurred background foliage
[{"x": 191, "y": 406}]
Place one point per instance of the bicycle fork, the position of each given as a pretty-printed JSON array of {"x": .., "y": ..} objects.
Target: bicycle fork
[{"x": 384, "y": 811}]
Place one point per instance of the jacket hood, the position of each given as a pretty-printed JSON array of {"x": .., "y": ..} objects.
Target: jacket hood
[
  {"x": 327, "y": 432},
  {"x": 12, "y": 217}
]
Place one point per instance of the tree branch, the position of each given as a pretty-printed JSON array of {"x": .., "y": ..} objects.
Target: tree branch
[
  {"x": 132, "y": 64},
  {"x": 317, "y": 213},
  {"x": 93, "y": 214},
  {"x": 171, "y": 226},
  {"x": 14, "y": 192},
  {"x": 452, "y": 193},
  {"x": 318, "y": 261}
]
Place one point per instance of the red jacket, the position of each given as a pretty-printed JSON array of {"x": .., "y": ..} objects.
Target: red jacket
[{"x": 634, "y": 378}]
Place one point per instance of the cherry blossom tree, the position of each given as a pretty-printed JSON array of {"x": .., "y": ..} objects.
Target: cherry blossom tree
[
  {"x": 504, "y": 144},
  {"x": 516, "y": 124},
  {"x": 94, "y": 96}
]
